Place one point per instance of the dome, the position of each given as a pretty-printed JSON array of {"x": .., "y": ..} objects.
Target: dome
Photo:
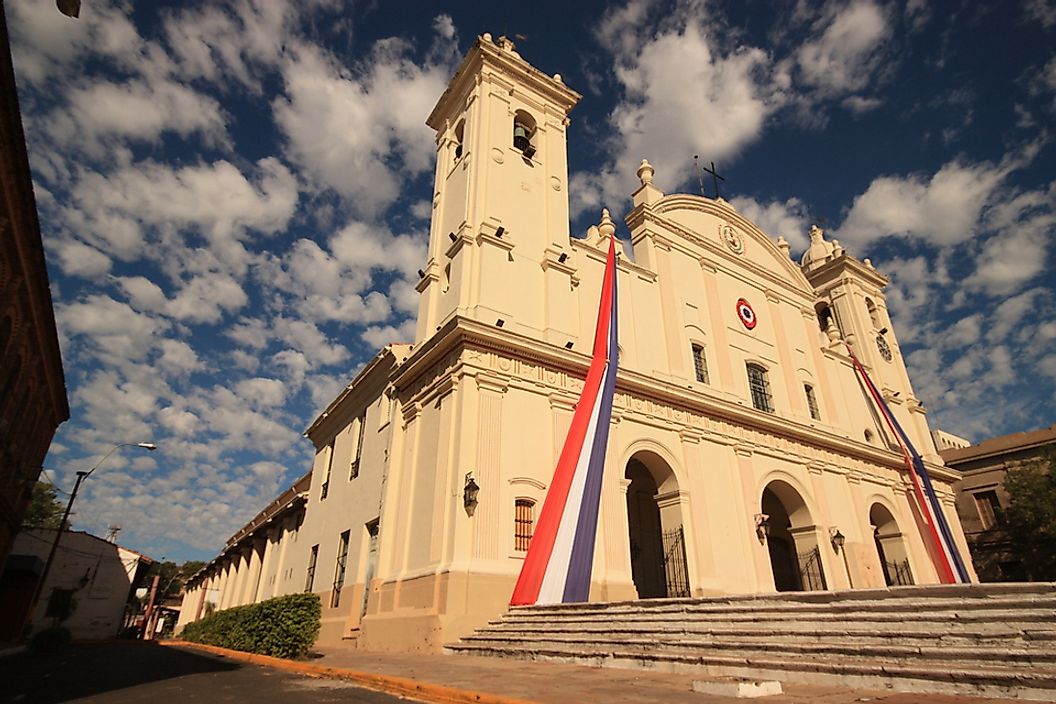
[{"x": 819, "y": 250}]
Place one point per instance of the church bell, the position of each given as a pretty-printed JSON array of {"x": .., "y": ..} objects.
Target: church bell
[{"x": 522, "y": 140}]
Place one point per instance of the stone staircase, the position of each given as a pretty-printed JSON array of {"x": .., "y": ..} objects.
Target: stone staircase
[{"x": 996, "y": 640}]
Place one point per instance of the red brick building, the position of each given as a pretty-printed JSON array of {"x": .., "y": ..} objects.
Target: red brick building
[{"x": 32, "y": 386}]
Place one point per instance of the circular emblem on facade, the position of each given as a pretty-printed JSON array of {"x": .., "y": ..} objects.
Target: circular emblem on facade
[
  {"x": 746, "y": 314},
  {"x": 732, "y": 239},
  {"x": 885, "y": 349}
]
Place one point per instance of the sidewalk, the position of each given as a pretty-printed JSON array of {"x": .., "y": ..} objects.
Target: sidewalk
[{"x": 458, "y": 678}]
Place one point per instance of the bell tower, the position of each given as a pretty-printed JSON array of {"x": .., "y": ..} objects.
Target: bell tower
[
  {"x": 500, "y": 201},
  {"x": 852, "y": 308}
]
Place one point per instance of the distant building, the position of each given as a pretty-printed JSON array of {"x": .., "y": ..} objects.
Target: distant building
[
  {"x": 948, "y": 441},
  {"x": 32, "y": 386},
  {"x": 744, "y": 455},
  {"x": 981, "y": 497},
  {"x": 87, "y": 590}
]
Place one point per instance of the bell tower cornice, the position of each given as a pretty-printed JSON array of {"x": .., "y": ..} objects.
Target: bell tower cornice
[{"x": 502, "y": 59}]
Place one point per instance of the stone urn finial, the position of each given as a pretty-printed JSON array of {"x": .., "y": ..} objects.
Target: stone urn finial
[
  {"x": 606, "y": 227},
  {"x": 783, "y": 245},
  {"x": 645, "y": 172}
]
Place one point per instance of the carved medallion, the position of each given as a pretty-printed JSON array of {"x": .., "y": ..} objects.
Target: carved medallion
[{"x": 732, "y": 238}]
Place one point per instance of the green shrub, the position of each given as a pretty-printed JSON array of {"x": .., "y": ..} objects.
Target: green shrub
[
  {"x": 283, "y": 627},
  {"x": 50, "y": 640}
]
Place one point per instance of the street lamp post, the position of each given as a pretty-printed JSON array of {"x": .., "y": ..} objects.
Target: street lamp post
[{"x": 81, "y": 476}]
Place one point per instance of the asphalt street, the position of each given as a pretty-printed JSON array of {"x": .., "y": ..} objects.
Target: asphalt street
[{"x": 134, "y": 672}]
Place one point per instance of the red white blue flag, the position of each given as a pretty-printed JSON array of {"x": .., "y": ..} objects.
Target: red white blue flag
[
  {"x": 947, "y": 557},
  {"x": 558, "y": 564}
]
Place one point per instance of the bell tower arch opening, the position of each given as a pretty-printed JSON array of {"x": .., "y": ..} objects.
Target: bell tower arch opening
[
  {"x": 890, "y": 547},
  {"x": 655, "y": 527},
  {"x": 792, "y": 541}
]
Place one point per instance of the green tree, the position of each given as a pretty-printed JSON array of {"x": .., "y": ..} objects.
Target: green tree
[
  {"x": 172, "y": 576},
  {"x": 1030, "y": 518},
  {"x": 45, "y": 509}
]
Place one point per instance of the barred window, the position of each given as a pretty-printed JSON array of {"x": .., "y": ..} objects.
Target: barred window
[
  {"x": 339, "y": 570},
  {"x": 354, "y": 471},
  {"x": 329, "y": 466},
  {"x": 700, "y": 364},
  {"x": 759, "y": 385},
  {"x": 812, "y": 401},
  {"x": 523, "y": 524},
  {"x": 309, "y": 582},
  {"x": 989, "y": 507}
]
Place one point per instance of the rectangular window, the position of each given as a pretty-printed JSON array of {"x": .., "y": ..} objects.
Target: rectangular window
[
  {"x": 523, "y": 524},
  {"x": 339, "y": 570},
  {"x": 700, "y": 364},
  {"x": 354, "y": 471},
  {"x": 309, "y": 582},
  {"x": 60, "y": 604},
  {"x": 812, "y": 401},
  {"x": 989, "y": 508},
  {"x": 329, "y": 466},
  {"x": 759, "y": 386}
]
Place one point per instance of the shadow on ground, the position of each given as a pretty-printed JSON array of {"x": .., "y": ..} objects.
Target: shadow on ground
[{"x": 92, "y": 669}]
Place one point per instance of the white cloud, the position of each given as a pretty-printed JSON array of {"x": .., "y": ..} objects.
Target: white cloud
[
  {"x": 943, "y": 210},
  {"x": 859, "y": 104},
  {"x": 216, "y": 200},
  {"x": 846, "y": 56},
  {"x": 788, "y": 219},
  {"x": 223, "y": 44},
  {"x": 379, "y": 336},
  {"x": 116, "y": 329},
  {"x": 178, "y": 422},
  {"x": 78, "y": 259},
  {"x": 262, "y": 392},
  {"x": 305, "y": 337},
  {"x": 49, "y": 46},
  {"x": 361, "y": 133},
  {"x": 178, "y": 358},
  {"x": 205, "y": 299},
  {"x": 251, "y": 332},
  {"x": 666, "y": 77},
  {"x": 100, "y": 113},
  {"x": 143, "y": 294}
]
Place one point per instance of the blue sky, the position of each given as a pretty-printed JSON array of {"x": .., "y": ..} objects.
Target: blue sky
[{"x": 234, "y": 199}]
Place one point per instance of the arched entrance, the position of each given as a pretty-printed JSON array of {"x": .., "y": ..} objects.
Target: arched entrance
[
  {"x": 654, "y": 521},
  {"x": 792, "y": 542},
  {"x": 890, "y": 548}
]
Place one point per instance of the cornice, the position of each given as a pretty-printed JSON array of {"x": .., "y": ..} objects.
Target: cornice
[{"x": 461, "y": 333}]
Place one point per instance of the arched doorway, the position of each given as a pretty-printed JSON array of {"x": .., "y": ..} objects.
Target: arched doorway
[
  {"x": 890, "y": 548},
  {"x": 792, "y": 542},
  {"x": 654, "y": 521}
]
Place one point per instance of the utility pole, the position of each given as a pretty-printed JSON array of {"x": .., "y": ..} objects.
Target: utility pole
[
  {"x": 148, "y": 633},
  {"x": 81, "y": 476}
]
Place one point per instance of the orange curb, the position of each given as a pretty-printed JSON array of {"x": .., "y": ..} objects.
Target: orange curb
[{"x": 383, "y": 683}]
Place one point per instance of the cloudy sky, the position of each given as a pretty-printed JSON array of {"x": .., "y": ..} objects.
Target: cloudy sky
[{"x": 234, "y": 199}]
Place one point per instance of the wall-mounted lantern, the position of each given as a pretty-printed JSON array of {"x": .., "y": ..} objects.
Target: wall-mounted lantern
[
  {"x": 469, "y": 494},
  {"x": 837, "y": 539},
  {"x": 762, "y": 526}
]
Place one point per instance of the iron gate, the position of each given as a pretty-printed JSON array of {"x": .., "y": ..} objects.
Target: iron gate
[
  {"x": 811, "y": 574},
  {"x": 675, "y": 572},
  {"x": 897, "y": 574}
]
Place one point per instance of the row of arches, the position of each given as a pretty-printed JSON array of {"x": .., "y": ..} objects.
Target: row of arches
[{"x": 784, "y": 523}]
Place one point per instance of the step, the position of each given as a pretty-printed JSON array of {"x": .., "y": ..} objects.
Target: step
[
  {"x": 910, "y": 631},
  {"x": 879, "y": 650},
  {"x": 1036, "y": 684},
  {"x": 668, "y": 607}
]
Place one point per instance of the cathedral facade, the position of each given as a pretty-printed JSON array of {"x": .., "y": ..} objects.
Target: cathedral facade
[{"x": 744, "y": 453}]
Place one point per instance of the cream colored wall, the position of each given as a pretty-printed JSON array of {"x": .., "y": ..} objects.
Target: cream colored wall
[{"x": 99, "y": 605}]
